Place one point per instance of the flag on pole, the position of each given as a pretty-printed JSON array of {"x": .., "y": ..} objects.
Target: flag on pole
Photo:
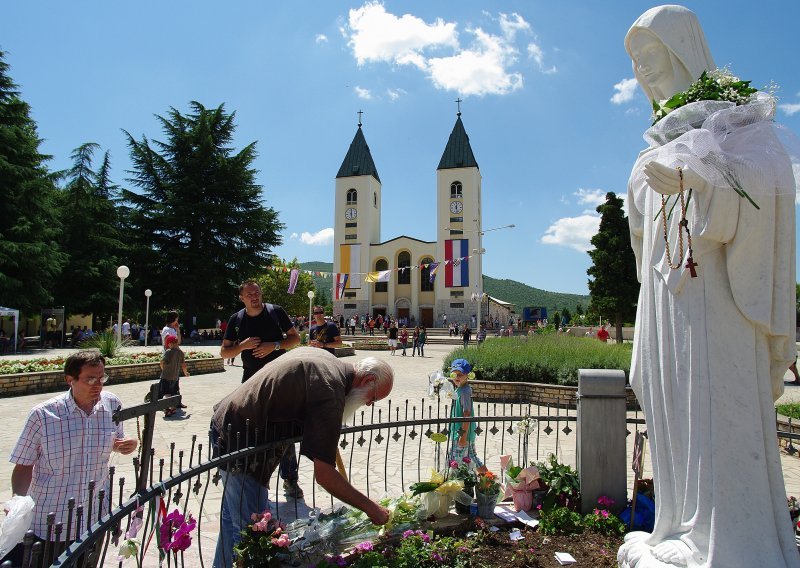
[
  {"x": 341, "y": 282},
  {"x": 293, "y": 277},
  {"x": 456, "y": 272},
  {"x": 434, "y": 266},
  {"x": 379, "y": 276}
]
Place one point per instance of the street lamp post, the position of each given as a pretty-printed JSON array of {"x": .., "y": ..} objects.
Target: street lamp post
[
  {"x": 310, "y": 300},
  {"x": 122, "y": 272},
  {"x": 147, "y": 294},
  {"x": 481, "y": 251}
]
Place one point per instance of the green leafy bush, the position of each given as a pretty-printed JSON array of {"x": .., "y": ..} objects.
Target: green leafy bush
[
  {"x": 107, "y": 343},
  {"x": 550, "y": 359},
  {"x": 603, "y": 522},
  {"x": 563, "y": 483},
  {"x": 560, "y": 520}
]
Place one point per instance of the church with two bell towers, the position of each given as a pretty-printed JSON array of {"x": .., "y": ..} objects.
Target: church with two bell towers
[{"x": 406, "y": 277}]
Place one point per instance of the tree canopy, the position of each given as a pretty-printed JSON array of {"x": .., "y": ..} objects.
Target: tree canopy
[
  {"x": 275, "y": 285},
  {"x": 30, "y": 257},
  {"x": 199, "y": 222},
  {"x": 91, "y": 236},
  {"x": 613, "y": 286}
]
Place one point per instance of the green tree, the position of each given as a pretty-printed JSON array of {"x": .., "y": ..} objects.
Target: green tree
[
  {"x": 200, "y": 223},
  {"x": 613, "y": 285},
  {"x": 30, "y": 256},
  {"x": 275, "y": 285},
  {"x": 91, "y": 236}
]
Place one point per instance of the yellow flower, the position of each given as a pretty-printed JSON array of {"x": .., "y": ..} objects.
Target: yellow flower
[
  {"x": 436, "y": 477},
  {"x": 450, "y": 487}
]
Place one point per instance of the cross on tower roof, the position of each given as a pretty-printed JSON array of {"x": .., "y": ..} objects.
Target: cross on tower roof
[
  {"x": 359, "y": 117},
  {"x": 458, "y": 102}
]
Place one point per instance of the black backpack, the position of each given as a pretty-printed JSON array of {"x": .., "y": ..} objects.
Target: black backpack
[{"x": 270, "y": 311}]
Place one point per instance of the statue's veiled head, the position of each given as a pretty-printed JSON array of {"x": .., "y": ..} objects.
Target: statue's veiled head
[{"x": 668, "y": 49}]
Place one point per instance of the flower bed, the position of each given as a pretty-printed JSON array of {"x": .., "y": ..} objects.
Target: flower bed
[
  {"x": 23, "y": 383},
  {"x": 57, "y": 363}
]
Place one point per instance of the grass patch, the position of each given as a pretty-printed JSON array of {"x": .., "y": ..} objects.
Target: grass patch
[
  {"x": 549, "y": 359},
  {"x": 791, "y": 410}
]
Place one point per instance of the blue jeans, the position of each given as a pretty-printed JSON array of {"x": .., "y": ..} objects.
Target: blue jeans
[{"x": 242, "y": 496}]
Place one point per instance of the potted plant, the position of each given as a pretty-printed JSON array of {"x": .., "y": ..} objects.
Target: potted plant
[
  {"x": 264, "y": 543},
  {"x": 487, "y": 494},
  {"x": 465, "y": 472},
  {"x": 562, "y": 483}
]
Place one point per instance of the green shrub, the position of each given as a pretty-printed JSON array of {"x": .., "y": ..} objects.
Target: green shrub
[
  {"x": 107, "y": 343},
  {"x": 57, "y": 363},
  {"x": 603, "y": 522},
  {"x": 560, "y": 520},
  {"x": 563, "y": 483},
  {"x": 791, "y": 410},
  {"x": 550, "y": 359}
]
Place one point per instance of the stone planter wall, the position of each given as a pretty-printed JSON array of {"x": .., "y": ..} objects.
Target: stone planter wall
[
  {"x": 31, "y": 383},
  {"x": 503, "y": 392}
]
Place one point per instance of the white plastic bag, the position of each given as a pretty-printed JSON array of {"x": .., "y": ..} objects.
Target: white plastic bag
[{"x": 17, "y": 522}]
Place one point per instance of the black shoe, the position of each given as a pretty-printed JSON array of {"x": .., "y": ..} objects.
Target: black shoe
[
  {"x": 182, "y": 406},
  {"x": 291, "y": 489}
]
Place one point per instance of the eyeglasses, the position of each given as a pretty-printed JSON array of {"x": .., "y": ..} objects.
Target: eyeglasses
[
  {"x": 92, "y": 381},
  {"x": 318, "y": 313}
]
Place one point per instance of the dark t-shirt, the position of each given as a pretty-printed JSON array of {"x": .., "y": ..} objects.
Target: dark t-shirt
[
  {"x": 324, "y": 333},
  {"x": 392, "y": 333},
  {"x": 263, "y": 327},
  {"x": 173, "y": 362},
  {"x": 302, "y": 392}
]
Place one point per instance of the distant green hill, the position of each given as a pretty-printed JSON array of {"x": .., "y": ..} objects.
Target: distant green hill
[{"x": 519, "y": 294}]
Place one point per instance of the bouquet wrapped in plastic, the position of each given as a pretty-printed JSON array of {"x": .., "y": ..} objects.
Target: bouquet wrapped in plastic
[
  {"x": 438, "y": 494},
  {"x": 520, "y": 483},
  {"x": 17, "y": 522}
]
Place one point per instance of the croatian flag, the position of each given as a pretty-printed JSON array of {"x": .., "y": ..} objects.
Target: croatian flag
[
  {"x": 456, "y": 271},
  {"x": 433, "y": 266},
  {"x": 341, "y": 282}
]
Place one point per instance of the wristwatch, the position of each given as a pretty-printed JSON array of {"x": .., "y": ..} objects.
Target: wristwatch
[{"x": 277, "y": 346}]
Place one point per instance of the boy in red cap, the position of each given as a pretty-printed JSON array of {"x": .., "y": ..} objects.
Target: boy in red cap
[{"x": 171, "y": 365}]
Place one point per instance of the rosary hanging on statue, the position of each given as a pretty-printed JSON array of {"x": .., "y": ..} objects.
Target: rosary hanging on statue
[{"x": 683, "y": 225}]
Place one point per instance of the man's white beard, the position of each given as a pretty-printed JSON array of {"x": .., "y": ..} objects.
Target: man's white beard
[{"x": 354, "y": 400}]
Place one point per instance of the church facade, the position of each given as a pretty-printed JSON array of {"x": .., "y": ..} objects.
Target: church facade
[{"x": 406, "y": 277}]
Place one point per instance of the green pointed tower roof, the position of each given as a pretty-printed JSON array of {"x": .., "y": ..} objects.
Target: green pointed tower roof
[
  {"x": 458, "y": 153},
  {"x": 358, "y": 161}
]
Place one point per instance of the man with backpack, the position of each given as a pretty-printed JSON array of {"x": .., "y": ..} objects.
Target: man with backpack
[{"x": 256, "y": 332}]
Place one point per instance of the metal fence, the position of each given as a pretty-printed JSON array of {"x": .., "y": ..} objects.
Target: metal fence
[{"x": 385, "y": 448}]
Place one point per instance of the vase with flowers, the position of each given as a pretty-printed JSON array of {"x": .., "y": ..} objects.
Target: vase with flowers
[
  {"x": 264, "y": 543},
  {"x": 487, "y": 494},
  {"x": 464, "y": 470}
]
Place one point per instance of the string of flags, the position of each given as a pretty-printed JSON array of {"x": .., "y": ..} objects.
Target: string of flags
[{"x": 374, "y": 276}]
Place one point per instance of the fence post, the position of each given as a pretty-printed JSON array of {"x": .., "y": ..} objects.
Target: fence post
[{"x": 601, "y": 437}]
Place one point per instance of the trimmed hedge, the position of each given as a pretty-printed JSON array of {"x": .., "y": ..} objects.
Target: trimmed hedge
[{"x": 549, "y": 359}]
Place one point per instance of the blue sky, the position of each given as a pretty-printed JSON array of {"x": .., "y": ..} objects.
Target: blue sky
[{"x": 554, "y": 117}]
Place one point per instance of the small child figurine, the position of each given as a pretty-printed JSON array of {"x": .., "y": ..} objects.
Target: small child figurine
[
  {"x": 463, "y": 433},
  {"x": 172, "y": 362}
]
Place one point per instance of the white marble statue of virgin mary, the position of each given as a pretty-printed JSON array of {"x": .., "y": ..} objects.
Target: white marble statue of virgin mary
[{"x": 710, "y": 351}]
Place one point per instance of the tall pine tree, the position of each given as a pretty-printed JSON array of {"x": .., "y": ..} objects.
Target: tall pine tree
[
  {"x": 91, "y": 236},
  {"x": 199, "y": 223},
  {"x": 30, "y": 257},
  {"x": 613, "y": 287}
]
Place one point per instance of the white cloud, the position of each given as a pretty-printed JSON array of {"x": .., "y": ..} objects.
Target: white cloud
[
  {"x": 625, "y": 90},
  {"x": 395, "y": 94},
  {"x": 323, "y": 237},
  {"x": 362, "y": 93},
  {"x": 790, "y": 108},
  {"x": 321, "y": 38},
  {"x": 294, "y": 236},
  {"x": 483, "y": 67},
  {"x": 592, "y": 197},
  {"x": 376, "y": 35},
  {"x": 535, "y": 52},
  {"x": 573, "y": 232}
]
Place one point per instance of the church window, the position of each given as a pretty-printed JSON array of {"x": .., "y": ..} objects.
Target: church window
[
  {"x": 352, "y": 197},
  {"x": 404, "y": 261},
  {"x": 381, "y": 265},
  {"x": 425, "y": 284},
  {"x": 374, "y": 199},
  {"x": 455, "y": 189}
]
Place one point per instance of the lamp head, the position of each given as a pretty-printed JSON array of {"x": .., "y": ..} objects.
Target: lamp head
[
  {"x": 311, "y": 294},
  {"x": 148, "y": 292},
  {"x": 123, "y": 272}
]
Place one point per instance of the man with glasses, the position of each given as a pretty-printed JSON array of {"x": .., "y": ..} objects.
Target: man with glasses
[
  {"x": 308, "y": 392},
  {"x": 324, "y": 334},
  {"x": 66, "y": 443}
]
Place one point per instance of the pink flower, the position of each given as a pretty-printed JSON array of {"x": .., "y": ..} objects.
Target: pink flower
[
  {"x": 606, "y": 502},
  {"x": 282, "y": 541},
  {"x": 253, "y": 517},
  {"x": 260, "y": 526},
  {"x": 365, "y": 546},
  {"x": 605, "y": 514},
  {"x": 466, "y": 459},
  {"x": 453, "y": 464}
]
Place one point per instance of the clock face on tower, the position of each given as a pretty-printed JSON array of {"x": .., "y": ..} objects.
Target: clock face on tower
[
  {"x": 456, "y": 207},
  {"x": 350, "y": 213}
]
